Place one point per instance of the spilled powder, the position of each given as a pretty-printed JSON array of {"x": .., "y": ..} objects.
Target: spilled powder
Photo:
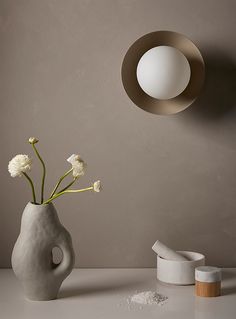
[{"x": 148, "y": 298}]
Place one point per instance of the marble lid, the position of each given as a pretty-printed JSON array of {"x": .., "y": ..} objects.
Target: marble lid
[{"x": 207, "y": 274}]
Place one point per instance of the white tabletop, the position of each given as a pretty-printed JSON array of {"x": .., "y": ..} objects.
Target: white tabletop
[{"x": 103, "y": 293}]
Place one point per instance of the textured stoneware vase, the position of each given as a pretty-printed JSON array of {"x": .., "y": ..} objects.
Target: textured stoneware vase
[{"x": 32, "y": 261}]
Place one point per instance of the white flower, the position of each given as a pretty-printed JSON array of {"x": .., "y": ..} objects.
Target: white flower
[
  {"x": 73, "y": 158},
  {"x": 19, "y": 165},
  {"x": 78, "y": 169},
  {"x": 78, "y": 165},
  {"x": 97, "y": 187},
  {"x": 33, "y": 140}
]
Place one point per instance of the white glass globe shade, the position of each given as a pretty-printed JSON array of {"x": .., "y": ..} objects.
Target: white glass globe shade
[{"x": 163, "y": 72}]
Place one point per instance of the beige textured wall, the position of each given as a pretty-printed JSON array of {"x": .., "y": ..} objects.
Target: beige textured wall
[{"x": 171, "y": 178}]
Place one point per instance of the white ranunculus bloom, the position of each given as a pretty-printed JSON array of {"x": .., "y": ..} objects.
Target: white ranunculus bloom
[
  {"x": 73, "y": 158},
  {"x": 78, "y": 169},
  {"x": 97, "y": 187},
  {"x": 19, "y": 165},
  {"x": 78, "y": 165}
]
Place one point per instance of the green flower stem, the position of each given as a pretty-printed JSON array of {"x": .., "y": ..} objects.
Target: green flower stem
[
  {"x": 68, "y": 191},
  {"x": 32, "y": 187},
  {"x": 44, "y": 172},
  {"x": 69, "y": 185},
  {"x": 59, "y": 182}
]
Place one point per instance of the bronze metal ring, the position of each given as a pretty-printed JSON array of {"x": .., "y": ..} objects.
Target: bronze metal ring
[{"x": 134, "y": 54}]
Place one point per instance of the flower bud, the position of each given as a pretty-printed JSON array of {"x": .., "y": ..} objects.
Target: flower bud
[
  {"x": 97, "y": 187},
  {"x": 33, "y": 140}
]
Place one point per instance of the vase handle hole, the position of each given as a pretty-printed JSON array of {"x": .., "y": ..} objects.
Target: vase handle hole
[{"x": 57, "y": 255}]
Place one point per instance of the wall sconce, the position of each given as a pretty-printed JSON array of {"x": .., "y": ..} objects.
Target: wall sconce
[{"x": 163, "y": 72}]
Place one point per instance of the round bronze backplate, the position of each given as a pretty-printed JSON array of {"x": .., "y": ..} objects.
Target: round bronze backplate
[{"x": 134, "y": 54}]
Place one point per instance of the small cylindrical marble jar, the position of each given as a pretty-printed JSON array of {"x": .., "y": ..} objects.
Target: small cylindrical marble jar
[{"x": 207, "y": 281}]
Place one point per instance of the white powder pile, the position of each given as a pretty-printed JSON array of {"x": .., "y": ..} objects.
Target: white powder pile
[{"x": 148, "y": 298}]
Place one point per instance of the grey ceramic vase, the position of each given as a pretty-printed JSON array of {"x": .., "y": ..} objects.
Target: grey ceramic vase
[{"x": 32, "y": 260}]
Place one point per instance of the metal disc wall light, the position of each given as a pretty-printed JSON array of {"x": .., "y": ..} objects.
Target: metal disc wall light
[{"x": 163, "y": 72}]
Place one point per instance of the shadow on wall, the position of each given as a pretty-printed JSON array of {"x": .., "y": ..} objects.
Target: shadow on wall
[{"x": 218, "y": 96}]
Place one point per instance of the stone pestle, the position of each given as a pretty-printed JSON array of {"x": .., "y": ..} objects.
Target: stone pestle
[{"x": 166, "y": 252}]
